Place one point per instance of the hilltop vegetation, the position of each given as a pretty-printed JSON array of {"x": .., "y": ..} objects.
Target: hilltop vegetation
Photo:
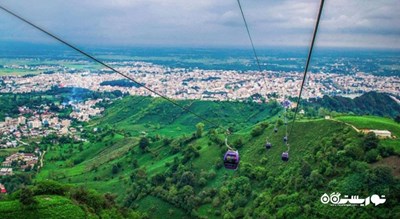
[
  {"x": 372, "y": 122},
  {"x": 371, "y": 103},
  {"x": 155, "y": 160},
  {"x": 375, "y": 122},
  {"x": 48, "y": 199},
  {"x": 136, "y": 114}
]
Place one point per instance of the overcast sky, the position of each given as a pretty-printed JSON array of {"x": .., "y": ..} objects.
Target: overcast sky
[{"x": 345, "y": 23}]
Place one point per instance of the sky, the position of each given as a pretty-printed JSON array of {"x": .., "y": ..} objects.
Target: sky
[{"x": 205, "y": 23}]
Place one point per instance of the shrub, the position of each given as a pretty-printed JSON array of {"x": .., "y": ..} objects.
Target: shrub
[
  {"x": 50, "y": 188},
  {"x": 26, "y": 196},
  {"x": 370, "y": 141},
  {"x": 257, "y": 131},
  {"x": 371, "y": 155}
]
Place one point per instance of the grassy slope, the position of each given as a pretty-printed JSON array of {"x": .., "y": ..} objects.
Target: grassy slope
[
  {"x": 305, "y": 137},
  {"x": 154, "y": 115},
  {"x": 372, "y": 122},
  {"x": 139, "y": 116},
  {"x": 375, "y": 122},
  {"x": 94, "y": 155},
  {"x": 47, "y": 207}
]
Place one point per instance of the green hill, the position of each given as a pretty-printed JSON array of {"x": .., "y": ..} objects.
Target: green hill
[
  {"x": 47, "y": 207},
  {"x": 375, "y": 122},
  {"x": 372, "y": 122},
  {"x": 50, "y": 200},
  {"x": 179, "y": 174},
  {"x": 154, "y": 115},
  {"x": 371, "y": 103}
]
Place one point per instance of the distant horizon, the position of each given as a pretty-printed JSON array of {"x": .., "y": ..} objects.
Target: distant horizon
[
  {"x": 180, "y": 46},
  {"x": 273, "y": 58}
]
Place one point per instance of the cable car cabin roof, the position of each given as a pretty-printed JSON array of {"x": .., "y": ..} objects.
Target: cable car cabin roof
[
  {"x": 285, "y": 156},
  {"x": 231, "y": 160}
]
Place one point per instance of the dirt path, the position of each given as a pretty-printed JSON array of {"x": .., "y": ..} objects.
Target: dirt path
[
  {"x": 355, "y": 128},
  {"x": 41, "y": 159},
  {"x": 22, "y": 142}
]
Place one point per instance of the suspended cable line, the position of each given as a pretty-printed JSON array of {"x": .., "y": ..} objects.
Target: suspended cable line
[
  {"x": 307, "y": 63},
  {"x": 252, "y": 44},
  {"x": 231, "y": 157},
  {"x": 107, "y": 66},
  {"x": 250, "y": 38},
  {"x": 268, "y": 144}
]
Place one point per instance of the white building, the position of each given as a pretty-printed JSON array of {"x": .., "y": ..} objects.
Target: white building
[
  {"x": 6, "y": 171},
  {"x": 378, "y": 133}
]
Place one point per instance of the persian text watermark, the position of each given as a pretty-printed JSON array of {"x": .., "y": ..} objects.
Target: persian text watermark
[{"x": 335, "y": 200}]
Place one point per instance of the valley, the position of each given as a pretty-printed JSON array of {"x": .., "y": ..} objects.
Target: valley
[{"x": 179, "y": 173}]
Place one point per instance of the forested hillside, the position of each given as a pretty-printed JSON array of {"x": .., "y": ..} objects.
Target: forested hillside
[
  {"x": 371, "y": 103},
  {"x": 156, "y": 116},
  {"x": 159, "y": 164},
  {"x": 48, "y": 199}
]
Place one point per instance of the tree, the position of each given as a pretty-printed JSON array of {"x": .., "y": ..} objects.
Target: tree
[
  {"x": 135, "y": 163},
  {"x": 50, "y": 187},
  {"x": 144, "y": 143},
  {"x": 397, "y": 119},
  {"x": 370, "y": 141},
  {"x": 199, "y": 129},
  {"x": 305, "y": 169},
  {"x": 257, "y": 131},
  {"x": 323, "y": 112},
  {"x": 80, "y": 147},
  {"x": 115, "y": 169},
  {"x": 354, "y": 151},
  {"x": 238, "y": 143},
  {"x": 29, "y": 149},
  {"x": 371, "y": 155},
  {"x": 187, "y": 178},
  {"x": 26, "y": 196},
  {"x": 316, "y": 179}
]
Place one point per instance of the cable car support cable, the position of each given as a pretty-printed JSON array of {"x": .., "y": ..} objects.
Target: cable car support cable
[
  {"x": 107, "y": 66},
  {"x": 307, "y": 64},
  {"x": 252, "y": 44}
]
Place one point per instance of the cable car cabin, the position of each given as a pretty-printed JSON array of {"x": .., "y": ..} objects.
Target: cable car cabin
[
  {"x": 285, "y": 139},
  {"x": 275, "y": 130},
  {"x": 268, "y": 145},
  {"x": 231, "y": 160},
  {"x": 285, "y": 156}
]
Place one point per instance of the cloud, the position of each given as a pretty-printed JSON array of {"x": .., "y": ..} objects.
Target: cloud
[{"x": 205, "y": 23}]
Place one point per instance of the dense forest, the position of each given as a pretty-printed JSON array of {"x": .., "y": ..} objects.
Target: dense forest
[{"x": 371, "y": 103}]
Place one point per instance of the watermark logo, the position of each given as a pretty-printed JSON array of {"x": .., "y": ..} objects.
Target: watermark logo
[{"x": 335, "y": 200}]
